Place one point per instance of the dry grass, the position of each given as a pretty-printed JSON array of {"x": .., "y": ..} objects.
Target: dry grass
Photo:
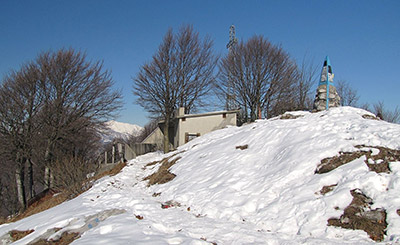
[
  {"x": 16, "y": 235},
  {"x": 66, "y": 238},
  {"x": 367, "y": 116},
  {"x": 162, "y": 175},
  {"x": 289, "y": 116},
  {"x": 115, "y": 170},
  {"x": 52, "y": 199}
]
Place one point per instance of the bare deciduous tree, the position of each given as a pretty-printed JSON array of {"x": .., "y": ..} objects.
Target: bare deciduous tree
[
  {"x": 21, "y": 101},
  {"x": 52, "y": 108},
  {"x": 307, "y": 77},
  {"x": 258, "y": 76},
  {"x": 77, "y": 95},
  {"x": 179, "y": 75},
  {"x": 390, "y": 116},
  {"x": 348, "y": 95}
]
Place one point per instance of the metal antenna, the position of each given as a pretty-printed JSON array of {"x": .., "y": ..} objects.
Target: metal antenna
[
  {"x": 232, "y": 38},
  {"x": 230, "y": 96}
]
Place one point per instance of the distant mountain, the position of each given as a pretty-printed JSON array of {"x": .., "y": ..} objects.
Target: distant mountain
[{"x": 120, "y": 130}]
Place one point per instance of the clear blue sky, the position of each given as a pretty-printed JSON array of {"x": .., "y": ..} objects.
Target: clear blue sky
[{"x": 362, "y": 38}]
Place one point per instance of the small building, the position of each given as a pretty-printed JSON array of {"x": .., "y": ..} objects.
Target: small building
[{"x": 185, "y": 127}]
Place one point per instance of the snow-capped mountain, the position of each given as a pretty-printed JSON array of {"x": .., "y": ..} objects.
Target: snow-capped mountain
[
  {"x": 301, "y": 178},
  {"x": 120, "y": 130}
]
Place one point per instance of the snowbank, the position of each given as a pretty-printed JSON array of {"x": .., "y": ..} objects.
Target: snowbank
[{"x": 250, "y": 185}]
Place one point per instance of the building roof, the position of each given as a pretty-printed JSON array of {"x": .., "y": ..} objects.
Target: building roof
[{"x": 207, "y": 114}]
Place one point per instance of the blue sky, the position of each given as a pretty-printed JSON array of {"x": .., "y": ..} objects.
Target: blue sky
[{"x": 362, "y": 38}]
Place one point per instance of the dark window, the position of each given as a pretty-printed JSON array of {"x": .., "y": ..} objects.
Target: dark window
[{"x": 189, "y": 137}]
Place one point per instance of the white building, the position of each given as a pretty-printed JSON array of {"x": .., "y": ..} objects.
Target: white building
[{"x": 185, "y": 127}]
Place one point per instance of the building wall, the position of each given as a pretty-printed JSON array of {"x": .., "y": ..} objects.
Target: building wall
[
  {"x": 201, "y": 125},
  {"x": 156, "y": 137}
]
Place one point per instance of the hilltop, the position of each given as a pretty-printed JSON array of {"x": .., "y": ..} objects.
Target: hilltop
[
  {"x": 300, "y": 178},
  {"x": 120, "y": 130}
]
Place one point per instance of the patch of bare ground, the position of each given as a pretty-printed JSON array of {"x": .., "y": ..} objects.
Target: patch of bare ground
[
  {"x": 48, "y": 200},
  {"x": 66, "y": 238},
  {"x": 359, "y": 216},
  {"x": 16, "y": 235},
  {"x": 326, "y": 189},
  {"x": 378, "y": 163},
  {"x": 367, "y": 116},
  {"x": 162, "y": 175},
  {"x": 289, "y": 116},
  {"x": 205, "y": 239},
  {"x": 115, "y": 170}
]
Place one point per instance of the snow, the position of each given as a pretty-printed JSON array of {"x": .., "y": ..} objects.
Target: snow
[
  {"x": 265, "y": 194},
  {"x": 120, "y": 130}
]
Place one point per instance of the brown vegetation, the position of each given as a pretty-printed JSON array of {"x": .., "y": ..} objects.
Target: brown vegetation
[
  {"x": 17, "y": 235},
  {"x": 326, "y": 189},
  {"x": 289, "y": 116},
  {"x": 367, "y": 116},
  {"x": 162, "y": 175},
  {"x": 359, "y": 216},
  {"x": 66, "y": 238},
  {"x": 52, "y": 198}
]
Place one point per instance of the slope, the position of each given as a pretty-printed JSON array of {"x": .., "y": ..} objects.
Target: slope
[
  {"x": 120, "y": 130},
  {"x": 257, "y": 184}
]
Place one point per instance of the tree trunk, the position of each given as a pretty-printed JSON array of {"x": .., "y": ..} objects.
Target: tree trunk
[
  {"x": 31, "y": 189},
  {"x": 48, "y": 178},
  {"x": 48, "y": 161},
  {"x": 19, "y": 176},
  {"x": 166, "y": 135}
]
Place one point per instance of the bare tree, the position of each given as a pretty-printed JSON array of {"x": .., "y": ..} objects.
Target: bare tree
[
  {"x": 259, "y": 76},
  {"x": 179, "y": 75},
  {"x": 77, "y": 95},
  {"x": 307, "y": 77},
  {"x": 52, "y": 108},
  {"x": 21, "y": 101},
  {"x": 348, "y": 95},
  {"x": 385, "y": 114}
]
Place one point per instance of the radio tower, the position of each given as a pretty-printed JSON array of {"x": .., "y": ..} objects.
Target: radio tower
[
  {"x": 230, "y": 96},
  {"x": 232, "y": 38}
]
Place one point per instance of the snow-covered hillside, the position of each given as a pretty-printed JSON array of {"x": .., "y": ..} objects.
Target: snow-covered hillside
[
  {"x": 258, "y": 184},
  {"x": 120, "y": 130}
]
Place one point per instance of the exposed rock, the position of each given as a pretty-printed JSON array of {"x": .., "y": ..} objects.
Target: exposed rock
[
  {"x": 242, "y": 147},
  {"x": 359, "y": 216},
  {"x": 378, "y": 163}
]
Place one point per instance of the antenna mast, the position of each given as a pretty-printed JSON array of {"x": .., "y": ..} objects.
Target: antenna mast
[
  {"x": 230, "y": 96},
  {"x": 232, "y": 38}
]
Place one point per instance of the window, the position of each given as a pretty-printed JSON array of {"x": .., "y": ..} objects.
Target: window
[{"x": 189, "y": 137}]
